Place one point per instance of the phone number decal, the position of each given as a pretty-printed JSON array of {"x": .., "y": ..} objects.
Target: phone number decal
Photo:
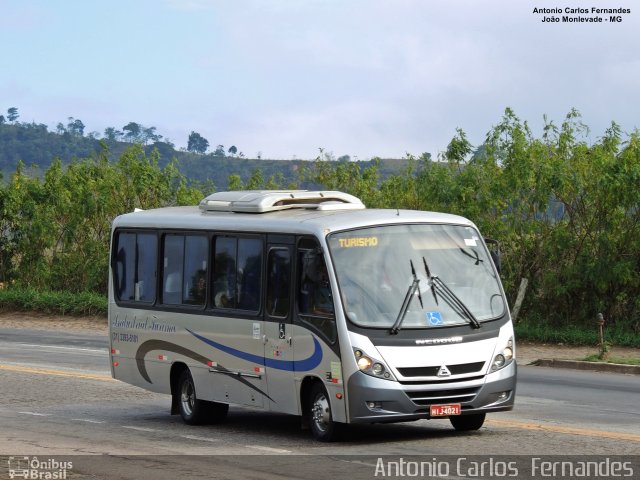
[{"x": 124, "y": 337}]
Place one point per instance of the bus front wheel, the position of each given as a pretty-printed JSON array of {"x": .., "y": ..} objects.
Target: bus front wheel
[
  {"x": 466, "y": 423},
  {"x": 321, "y": 422}
]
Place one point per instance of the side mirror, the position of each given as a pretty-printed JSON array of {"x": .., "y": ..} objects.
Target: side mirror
[{"x": 494, "y": 251}]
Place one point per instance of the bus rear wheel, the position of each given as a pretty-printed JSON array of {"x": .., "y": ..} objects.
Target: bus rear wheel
[
  {"x": 321, "y": 422},
  {"x": 192, "y": 410},
  {"x": 467, "y": 423}
]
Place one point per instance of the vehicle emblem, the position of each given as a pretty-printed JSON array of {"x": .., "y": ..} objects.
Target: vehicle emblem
[
  {"x": 439, "y": 341},
  {"x": 444, "y": 371}
]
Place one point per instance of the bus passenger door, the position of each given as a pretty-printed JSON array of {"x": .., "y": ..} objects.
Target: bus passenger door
[
  {"x": 278, "y": 348},
  {"x": 236, "y": 329}
]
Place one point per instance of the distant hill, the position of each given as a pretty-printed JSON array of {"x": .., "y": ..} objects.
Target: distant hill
[{"x": 35, "y": 145}]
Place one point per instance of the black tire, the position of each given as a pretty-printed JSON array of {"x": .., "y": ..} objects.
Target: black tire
[
  {"x": 467, "y": 423},
  {"x": 321, "y": 423},
  {"x": 192, "y": 410}
]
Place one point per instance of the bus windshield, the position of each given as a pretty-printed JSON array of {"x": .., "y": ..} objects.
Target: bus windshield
[{"x": 374, "y": 268}]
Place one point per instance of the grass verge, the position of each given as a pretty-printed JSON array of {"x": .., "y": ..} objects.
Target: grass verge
[
  {"x": 57, "y": 303},
  {"x": 574, "y": 335},
  {"x": 618, "y": 360}
]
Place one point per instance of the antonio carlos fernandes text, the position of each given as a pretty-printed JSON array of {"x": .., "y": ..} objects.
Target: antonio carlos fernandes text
[{"x": 535, "y": 467}]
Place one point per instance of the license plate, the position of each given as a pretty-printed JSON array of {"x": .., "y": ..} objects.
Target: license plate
[{"x": 444, "y": 410}]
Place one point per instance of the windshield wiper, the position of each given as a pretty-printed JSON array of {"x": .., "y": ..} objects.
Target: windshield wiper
[
  {"x": 450, "y": 298},
  {"x": 475, "y": 257},
  {"x": 407, "y": 301},
  {"x": 433, "y": 287}
]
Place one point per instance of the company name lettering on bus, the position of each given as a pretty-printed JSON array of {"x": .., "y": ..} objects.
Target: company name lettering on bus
[
  {"x": 135, "y": 324},
  {"x": 358, "y": 242},
  {"x": 439, "y": 341}
]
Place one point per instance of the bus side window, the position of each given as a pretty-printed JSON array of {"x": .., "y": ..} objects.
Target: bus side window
[
  {"x": 237, "y": 273},
  {"x": 278, "y": 282},
  {"x": 124, "y": 268},
  {"x": 135, "y": 267},
  {"x": 194, "y": 289},
  {"x": 249, "y": 273},
  {"x": 172, "y": 271},
  {"x": 224, "y": 272},
  {"x": 315, "y": 292},
  {"x": 184, "y": 274},
  {"x": 315, "y": 300}
]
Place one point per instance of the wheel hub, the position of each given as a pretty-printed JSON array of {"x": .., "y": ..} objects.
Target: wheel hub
[
  {"x": 321, "y": 412},
  {"x": 187, "y": 397}
]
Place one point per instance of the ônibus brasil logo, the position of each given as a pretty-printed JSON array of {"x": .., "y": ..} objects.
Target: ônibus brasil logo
[{"x": 33, "y": 468}]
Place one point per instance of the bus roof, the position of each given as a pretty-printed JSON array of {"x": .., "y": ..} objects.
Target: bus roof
[
  {"x": 309, "y": 215},
  {"x": 318, "y": 223}
]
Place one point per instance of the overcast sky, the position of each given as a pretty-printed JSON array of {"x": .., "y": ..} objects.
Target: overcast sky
[{"x": 285, "y": 77}]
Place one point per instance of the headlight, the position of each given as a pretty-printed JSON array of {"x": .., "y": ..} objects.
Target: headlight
[
  {"x": 371, "y": 366},
  {"x": 364, "y": 363},
  {"x": 503, "y": 358},
  {"x": 508, "y": 351}
]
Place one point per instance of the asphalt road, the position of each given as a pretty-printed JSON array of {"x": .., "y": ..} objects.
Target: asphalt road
[{"x": 57, "y": 399}]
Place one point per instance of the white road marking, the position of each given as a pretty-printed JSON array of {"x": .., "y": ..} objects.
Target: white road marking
[
  {"x": 140, "y": 429},
  {"x": 36, "y": 414},
  {"x": 268, "y": 449},
  {"x": 88, "y": 420},
  {"x": 203, "y": 439},
  {"x": 104, "y": 350},
  {"x": 358, "y": 462}
]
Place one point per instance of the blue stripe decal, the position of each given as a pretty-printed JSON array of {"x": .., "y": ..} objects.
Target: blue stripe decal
[{"x": 307, "y": 364}]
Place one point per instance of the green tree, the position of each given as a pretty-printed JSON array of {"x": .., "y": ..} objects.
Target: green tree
[
  {"x": 112, "y": 135},
  {"x": 197, "y": 143},
  {"x": 75, "y": 127},
  {"x": 12, "y": 114},
  {"x": 235, "y": 183},
  {"x": 57, "y": 226},
  {"x": 132, "y": 131},
  {"x": 219, "y": 151},
  {"x": 565, "y": 208},
  {"x": 150, "y": 135}
]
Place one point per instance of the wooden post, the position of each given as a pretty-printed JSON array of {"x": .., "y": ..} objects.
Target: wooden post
[
  {"x": 519, "y": 299},
  {"x": 604, "y": 349}
]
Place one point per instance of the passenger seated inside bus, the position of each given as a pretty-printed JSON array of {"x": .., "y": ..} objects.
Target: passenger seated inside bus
[
  {"x": 224, "y": 281},
  {"x": 250, "y": 284},
  {"x": 198, "y": 290}
]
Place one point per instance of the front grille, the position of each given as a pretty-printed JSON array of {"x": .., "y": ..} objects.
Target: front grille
[
  {"x": 419, "y": 371},
  {"x": 435, "y": 397},
  {"x": 465, "y": 368},
  {"x": 440, "y": 381},
  {"x": 459, "y": 369}
]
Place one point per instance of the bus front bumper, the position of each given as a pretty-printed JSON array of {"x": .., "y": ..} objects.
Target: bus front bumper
[{"x": 374, "y": 400}]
